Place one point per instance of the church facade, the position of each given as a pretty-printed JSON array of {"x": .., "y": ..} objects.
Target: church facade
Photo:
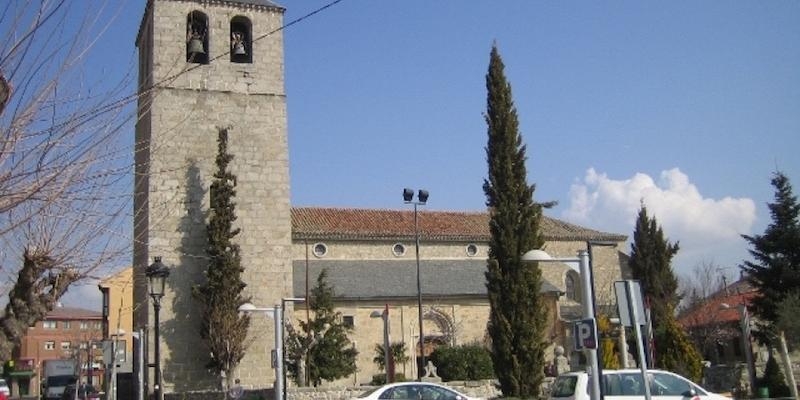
[{"x": 218, "y": 64}]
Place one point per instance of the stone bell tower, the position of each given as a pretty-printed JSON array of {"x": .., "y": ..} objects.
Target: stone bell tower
[{"x": 206, "y": 65}]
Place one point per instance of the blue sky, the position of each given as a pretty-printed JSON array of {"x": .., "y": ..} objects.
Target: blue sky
[{"x": 687, "y": 106}]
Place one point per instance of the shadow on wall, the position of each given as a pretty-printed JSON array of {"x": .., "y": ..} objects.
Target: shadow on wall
[{"x": 185, "y": 365}]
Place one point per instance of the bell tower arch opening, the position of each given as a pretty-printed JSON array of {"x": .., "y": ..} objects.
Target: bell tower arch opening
[
  {"x": 241, "y": 40},
  {"x": 197, "y": 37}
]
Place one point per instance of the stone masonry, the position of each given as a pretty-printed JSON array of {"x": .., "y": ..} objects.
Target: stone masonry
[{"x": 182, "y": 106}]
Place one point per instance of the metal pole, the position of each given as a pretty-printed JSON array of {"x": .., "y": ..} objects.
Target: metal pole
[
  {"x": 639, "y": 346},
  {"x": 140, "y": 365},
  {"x": 419, "y": 300},
  {"x": 157, "y": 386},
  {"x": 386, "y": 352},
  {"x": 278, "y": 315},
  {"x": 114, "y": 366},
  {"x": 588, "y": 313}
]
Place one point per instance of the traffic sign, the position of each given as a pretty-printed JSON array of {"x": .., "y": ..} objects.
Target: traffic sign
[{"x": 585, "y": 334}]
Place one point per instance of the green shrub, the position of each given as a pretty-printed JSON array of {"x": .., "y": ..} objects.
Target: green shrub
[
  {"x": 463, "y": 363},
  {"x": 380, "y": 379},
  {"x": 773, "y": 379}
]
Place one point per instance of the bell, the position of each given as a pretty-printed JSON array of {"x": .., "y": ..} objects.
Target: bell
[
  {"x": 196, "y": 46},
  {"x": 238, "y": 49}
]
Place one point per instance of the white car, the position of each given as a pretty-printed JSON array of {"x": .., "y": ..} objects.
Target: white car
[
  {"x": 4, "y": 388},
  {"x": 414, "y": 391},
  {"x": 626, "y": 384}
]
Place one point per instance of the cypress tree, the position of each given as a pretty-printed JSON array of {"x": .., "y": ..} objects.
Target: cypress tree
[
  {"x": 775, "y": 271},
  {"x": 222, "y": 328},
  {"x": 518, "y": 313},
  {"x": 650, "y": 263}
]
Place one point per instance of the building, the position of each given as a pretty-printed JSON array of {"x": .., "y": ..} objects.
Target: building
[
  {"x": 370, "y": 259},
  {"x": 65, "y": 333},
  {"x": 117, "y": 313},
  {"x": 208, "y": 65}
]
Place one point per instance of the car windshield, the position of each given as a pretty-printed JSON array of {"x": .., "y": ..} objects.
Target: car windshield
[
  {"x": 564, "y": 386},
  {"x": 367, "y": 393}
]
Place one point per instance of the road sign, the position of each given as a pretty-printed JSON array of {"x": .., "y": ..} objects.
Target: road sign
[
  {"x": 584, "y": 333},
  {"x": 622, "y": 290}
]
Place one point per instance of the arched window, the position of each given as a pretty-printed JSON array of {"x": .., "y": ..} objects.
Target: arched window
[
  {"x": 572, "y": 286},
  {"x": 197, "y": 38},
  {"x": 241, "y": 40}
]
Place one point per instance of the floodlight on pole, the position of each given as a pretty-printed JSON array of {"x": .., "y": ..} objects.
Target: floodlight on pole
[{"x": 422, "y": 198}]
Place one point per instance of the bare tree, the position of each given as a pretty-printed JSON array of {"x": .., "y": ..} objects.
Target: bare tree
[{"x": 64, "y": 161}]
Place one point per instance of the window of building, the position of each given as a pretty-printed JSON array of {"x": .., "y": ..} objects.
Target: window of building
[
  {"x": 49, "y": 325},
  {"x": 197, "y": 38},
  {"x": 320, "y": 250},
  {"x": 241, "y": 40},
  {"x": 65, "y": 345},
  {"x": 399, "y": 249},
  {"x": 348, "y": 321},
  {"x": 98, "y": 324},
  {"x": 84, "y": 325},
  {"x": 472, "y": 250},
  {"x": 572, "y": 286},
  {"x": 49, "y": 345},
  {"x": 65, "y": 324}
]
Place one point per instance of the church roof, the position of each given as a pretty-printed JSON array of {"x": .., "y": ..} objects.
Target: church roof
[
  {"x": 381, "y": 224},
  {"x": 386, "y": 279}
]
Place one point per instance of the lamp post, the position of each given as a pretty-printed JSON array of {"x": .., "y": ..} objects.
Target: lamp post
[
  {"x": 388, "y": 360},
  {"x": 422, "y": 198},
  {"x": 283, "y": 342},
  {"x": 157, "y": 274},
  {"x": 588, "y": 307},
  {"x": 277, "y": 354}
]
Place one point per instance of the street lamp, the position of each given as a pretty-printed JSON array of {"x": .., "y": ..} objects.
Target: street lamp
[
  {"x": 588, "y": 306},
  {"x": 157, "y": 274},
  {"x": 422, "y": 198},
  {"x": 277, "y": 354},
  {"x": 388, "y": 360}
]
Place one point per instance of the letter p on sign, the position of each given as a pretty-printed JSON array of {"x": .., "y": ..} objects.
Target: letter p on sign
[{"x": 584, "y": 332}]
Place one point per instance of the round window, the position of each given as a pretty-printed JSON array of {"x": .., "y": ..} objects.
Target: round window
[
  {"x": 472, "y": 250},
  {"x": 320, "y": 249},
  {"x": 399, "y": 249}
]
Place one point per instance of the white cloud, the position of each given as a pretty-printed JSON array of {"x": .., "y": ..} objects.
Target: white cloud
[{"x": 707, "y": 229}]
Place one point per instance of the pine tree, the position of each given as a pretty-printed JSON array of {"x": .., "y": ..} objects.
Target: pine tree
[
  {"x": 518, "y": 314},
  {"x": 321, "y": 349},
  {"x": 775, "y": 270},
  {"x": 223, "y": 329},
  {"x": 650, "y": 263}
]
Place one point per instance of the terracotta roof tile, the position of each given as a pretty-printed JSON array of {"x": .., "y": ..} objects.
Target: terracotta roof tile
[{"x": 377, "y": 224}]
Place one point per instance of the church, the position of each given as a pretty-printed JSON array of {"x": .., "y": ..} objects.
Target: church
[{"x": 218, "y": 64}]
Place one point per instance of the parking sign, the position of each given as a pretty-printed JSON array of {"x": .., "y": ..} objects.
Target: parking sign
[{"x": 584, "y": 332}]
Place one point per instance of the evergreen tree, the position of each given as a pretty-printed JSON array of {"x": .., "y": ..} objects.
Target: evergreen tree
[
  {"x": 321, "y": 349},
  {"x": 650, "y": 263},
  {"x": 518, "y": 314},
  {"x": 223, "y": 329},
  {"x": 775, "y": 270},
  {"x": 774, "y": 380}
]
